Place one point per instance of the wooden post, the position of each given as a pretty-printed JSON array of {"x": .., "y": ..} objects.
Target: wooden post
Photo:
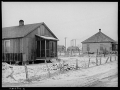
[
  {"x": 107, "y": 60},
  {"x": 76, "y": 64},
  {"x": 60, "y": 67},
  {"x": 63, "y": 66},
  {"x": 105, "y": 52},
  {"x": 89, "y": 62},
  {"x": 26, "y": 71},
  {"x": 96, "y": 61},
  {"x": 40, "y": 47},
  {"x": 47, "y": 68},
  {"x": 46, "y": 61},
  {"x": 110, "y": 58},
  {"x": 100, "y": 60},
  {"x": 45, "y": 48}
]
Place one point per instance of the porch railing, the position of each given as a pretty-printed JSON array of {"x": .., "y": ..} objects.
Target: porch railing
[{"x": 12, "y": 57}]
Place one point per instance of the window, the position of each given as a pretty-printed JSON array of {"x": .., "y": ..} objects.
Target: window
[{"x": 7, "y": 46}]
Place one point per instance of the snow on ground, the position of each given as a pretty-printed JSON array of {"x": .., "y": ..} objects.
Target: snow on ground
[
  {"x": 41, "y": 69},
  {"x": 79, "y": 78},
  {"x": 111, "y": 81}
]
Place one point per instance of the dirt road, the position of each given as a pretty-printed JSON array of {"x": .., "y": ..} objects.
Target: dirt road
[{"x": 92, "y": 77}]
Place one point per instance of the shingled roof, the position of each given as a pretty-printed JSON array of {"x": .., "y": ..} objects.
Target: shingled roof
[
  {"x": 98, "y": 37},
  {"x": 21, "y": 31}
]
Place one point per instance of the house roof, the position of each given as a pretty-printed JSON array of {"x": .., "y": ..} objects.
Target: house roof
[
  {"x": 46, "y": 37},
  {"x": 98, "y": 37},
  {"x": 21, "y": 31},
  {"x": 60, "y": 47},
  {"x": 73, "y": 48}
]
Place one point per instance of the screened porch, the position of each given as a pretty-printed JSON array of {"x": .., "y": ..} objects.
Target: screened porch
[{"x": 46, "y": 47}]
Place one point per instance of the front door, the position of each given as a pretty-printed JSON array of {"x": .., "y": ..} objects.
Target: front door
[
  {"x": 42, "y": 48},
  {"x": 38, "y": 49}
]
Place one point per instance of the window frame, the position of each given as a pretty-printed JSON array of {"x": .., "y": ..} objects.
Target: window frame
[{"x": 6, "y": 46}]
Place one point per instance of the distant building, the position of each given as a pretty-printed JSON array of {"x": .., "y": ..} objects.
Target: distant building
[
  {"x": 28, "y": 43},
  {"x": 73, "y": 50},
  {"x": 99, "y": 43},
  {"x": 61, "y": 49}
]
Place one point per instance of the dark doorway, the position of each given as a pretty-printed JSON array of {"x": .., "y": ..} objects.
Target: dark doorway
[
  {"x": 38, "y": 48},
  {"x": 42, "y": 48}
]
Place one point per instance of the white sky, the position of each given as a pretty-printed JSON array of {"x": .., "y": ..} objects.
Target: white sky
[{"x": 74, "y": 20}]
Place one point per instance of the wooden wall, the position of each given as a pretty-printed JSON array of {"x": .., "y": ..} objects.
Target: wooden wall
[
  {"x": 15, "y": 45},
  {"x": 95, "y": 46},
  {"x": 42, "y": 30}
]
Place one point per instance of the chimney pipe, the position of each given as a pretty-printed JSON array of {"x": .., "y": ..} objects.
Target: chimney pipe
[
  {"x": 99, "y": 30},
  {"x": 21, "y": 23}
]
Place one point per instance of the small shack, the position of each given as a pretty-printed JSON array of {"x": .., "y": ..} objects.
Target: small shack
[
  {"x": 29, "y": 42},
  {"x": 99, "y": 43}
]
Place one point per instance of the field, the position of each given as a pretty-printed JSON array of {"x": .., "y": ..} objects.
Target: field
[{"x": 68, "y": 69}]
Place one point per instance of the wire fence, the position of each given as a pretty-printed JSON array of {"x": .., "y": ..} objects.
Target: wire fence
[{"x": 38, "y": 72}]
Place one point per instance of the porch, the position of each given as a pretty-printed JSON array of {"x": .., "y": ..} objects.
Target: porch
[{"x": 46, "y": 47}]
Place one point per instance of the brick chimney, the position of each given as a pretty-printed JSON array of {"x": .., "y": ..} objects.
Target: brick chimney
[
  {"x": 21, "y": 23},
  {"x": 99, "y": 30}
]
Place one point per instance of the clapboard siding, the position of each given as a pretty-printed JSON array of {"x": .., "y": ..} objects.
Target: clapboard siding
[
  {"x": 96, "y": 46},
  {"x": 15, "y": 45},
  {"x": 43, "y": 31},
  {"x": 25, "y": 41}
]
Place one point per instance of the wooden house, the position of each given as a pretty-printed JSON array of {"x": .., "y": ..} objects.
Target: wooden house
[
  {"x": 98, "y": 43},
  {"x": 29, "y": 42}
]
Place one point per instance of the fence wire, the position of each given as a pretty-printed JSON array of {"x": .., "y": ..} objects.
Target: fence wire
[{"x": 40, "y": 71}]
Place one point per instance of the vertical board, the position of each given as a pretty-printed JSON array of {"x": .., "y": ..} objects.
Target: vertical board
[
  {"x": 47, "y": 33},
  {"x": 2, "y": 46},
  {"x": 21, "y": 45},
  {"x": 41, "y": 30},
  {"x": 15, "y": 45},
  {"x": 30, "y": 44}
]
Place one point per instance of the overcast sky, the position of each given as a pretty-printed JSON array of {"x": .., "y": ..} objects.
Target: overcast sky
[{"x": 74, "y": 20}]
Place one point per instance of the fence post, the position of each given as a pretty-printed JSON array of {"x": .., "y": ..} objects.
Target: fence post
[
  {"x": 110, "y": 58},
  {"x": 26, "y": 71},
  {"x": 96, "y": 61},
  {"x": 63, "y": 65},
  {"x": 89, "y": 62},
  {"x": 107, "y": 60},
  {"x": 47, "y": 68},
  {"x": 59, "y": 65},
  {"x": 100, "y": 60},
  {"x": 76, "y": 64}
]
